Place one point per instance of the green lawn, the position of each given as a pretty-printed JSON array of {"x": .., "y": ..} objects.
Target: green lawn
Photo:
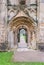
[{"x": 5, "y": 59}]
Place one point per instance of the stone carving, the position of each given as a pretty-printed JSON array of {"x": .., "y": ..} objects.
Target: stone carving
[{"x": 29, "y": 10}]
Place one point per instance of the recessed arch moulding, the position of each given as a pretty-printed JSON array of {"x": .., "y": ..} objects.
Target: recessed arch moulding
[{"x": 24, "y": 22}]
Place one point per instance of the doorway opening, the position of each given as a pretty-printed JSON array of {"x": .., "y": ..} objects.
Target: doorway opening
[{"x": 22, "y": 38}]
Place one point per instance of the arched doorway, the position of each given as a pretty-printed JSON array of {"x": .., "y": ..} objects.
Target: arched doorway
[
  {"x": 22, "y": 38},
  {"x": 22, "y": 28}
]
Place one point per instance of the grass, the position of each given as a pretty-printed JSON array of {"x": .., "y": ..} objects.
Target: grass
[{"x": 5, "y": 59}]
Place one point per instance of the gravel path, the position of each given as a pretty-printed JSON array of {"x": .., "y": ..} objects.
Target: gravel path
[{"x": 29, "y": 56}]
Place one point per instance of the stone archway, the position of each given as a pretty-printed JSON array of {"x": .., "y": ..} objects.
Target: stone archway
[
  {"x": 22, "y": 38},
  {"x": 17, "y": 36},
  {"x": 23, "y": 23}
]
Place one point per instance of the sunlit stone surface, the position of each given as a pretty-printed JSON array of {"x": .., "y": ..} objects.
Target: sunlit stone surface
[{"x": 32, "y": 19}]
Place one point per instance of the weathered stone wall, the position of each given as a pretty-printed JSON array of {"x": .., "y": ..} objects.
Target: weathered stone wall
[
  {"x": 41, "y": 23},
  {"x": 3, "y": 25}
]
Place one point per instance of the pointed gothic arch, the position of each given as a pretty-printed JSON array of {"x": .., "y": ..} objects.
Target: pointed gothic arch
[{"x": 23, "y": 23}]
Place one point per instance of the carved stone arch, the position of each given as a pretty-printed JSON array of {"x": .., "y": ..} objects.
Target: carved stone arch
[{"x": 23, "y": 22}]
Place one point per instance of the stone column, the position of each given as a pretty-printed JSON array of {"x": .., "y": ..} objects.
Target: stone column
[
  {"x": 15, "y": 39},
  {"x": 29, "y": 42},
  {"x": 33, "y": 40}
]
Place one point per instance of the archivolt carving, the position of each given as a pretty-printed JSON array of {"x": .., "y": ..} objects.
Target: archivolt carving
[{"x": 15, "y": 22}]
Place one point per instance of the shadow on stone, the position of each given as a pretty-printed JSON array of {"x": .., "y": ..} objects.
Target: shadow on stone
[{"x": 3, "y": 46}]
